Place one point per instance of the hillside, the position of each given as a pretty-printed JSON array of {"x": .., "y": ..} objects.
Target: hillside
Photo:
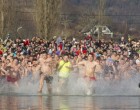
[
  {"x": 111, "y": 6},
  {"x": 76, "y": 16},
  {"x": 124, "y": 12}
]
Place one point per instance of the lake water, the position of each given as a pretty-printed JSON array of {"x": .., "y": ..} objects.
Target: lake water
[
  {"x": 120, "y": 95},
  {"x": 44, "y": 102}
]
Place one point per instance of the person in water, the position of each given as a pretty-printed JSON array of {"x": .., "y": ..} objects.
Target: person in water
[
  {"x": 11, "y": 75},
  {"x": 46, "y": 73},
  {"x": 64, "y": 69},
  {"x": 89, "y": 76}
]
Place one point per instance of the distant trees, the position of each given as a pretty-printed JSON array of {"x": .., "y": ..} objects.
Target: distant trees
[
  {"x": 82, "y": 14},
  {"x": 8, "y": 17},
  {"x": 47, "y": 17},
  {"x": 1, "y": 17}
]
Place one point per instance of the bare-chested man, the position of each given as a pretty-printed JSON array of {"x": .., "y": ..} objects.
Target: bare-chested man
[
  {"x": 55, "y": 63},
  {"x": 46, "y": 72},
  {"x": 90, "y": 67},
  {"x": 35, "y": 70},
  {"x": 15, "y": 74},
  {"x": 98, "y": 68},
  {"x": 11, "y": 75}
]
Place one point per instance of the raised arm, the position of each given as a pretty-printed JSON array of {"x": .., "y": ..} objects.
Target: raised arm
[
  {"x": 78, "y": 64},
  {"x": 3, "y": 70}
]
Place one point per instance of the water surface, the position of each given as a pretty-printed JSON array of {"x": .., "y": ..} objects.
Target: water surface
[{"x": 39, "y": 102}]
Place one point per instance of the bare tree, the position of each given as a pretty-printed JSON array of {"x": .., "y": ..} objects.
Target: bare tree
[
  {"x": 47, "y": 16},
  {"x": 2, "y": 18},
  {"x": 8, "y": 17},
  {"x": 65, "y": 21},
  {"x": 87, "y": 19}
]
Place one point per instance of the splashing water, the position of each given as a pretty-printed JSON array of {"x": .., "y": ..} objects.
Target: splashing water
[{"x": 77, "y": 85}]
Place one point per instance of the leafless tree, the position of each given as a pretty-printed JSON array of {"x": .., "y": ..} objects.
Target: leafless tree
[
  {"x": 47, "y": 16},
  {"x": 8, "y": 17}
]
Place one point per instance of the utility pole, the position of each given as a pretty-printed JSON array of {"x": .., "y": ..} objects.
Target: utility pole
[{"x": 101, "y": 13}]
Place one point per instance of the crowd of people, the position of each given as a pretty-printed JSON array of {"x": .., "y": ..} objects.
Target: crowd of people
[{"x": 38, "y": 60}]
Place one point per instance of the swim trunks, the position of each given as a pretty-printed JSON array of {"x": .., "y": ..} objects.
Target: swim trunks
[
  {"x": 12, "y": 79},
  {"x": 48, "y": 79},
  {"x": 90, "y": 78}
]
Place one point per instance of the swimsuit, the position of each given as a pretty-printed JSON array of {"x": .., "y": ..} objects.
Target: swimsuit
[
  {"x": 12, "y": 79},
  {"x": 90, "y": 78},
  {"x": 48, "y": 79}
]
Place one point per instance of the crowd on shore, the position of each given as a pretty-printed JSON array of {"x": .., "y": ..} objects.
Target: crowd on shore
[{"x": 38, "y": 59}]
